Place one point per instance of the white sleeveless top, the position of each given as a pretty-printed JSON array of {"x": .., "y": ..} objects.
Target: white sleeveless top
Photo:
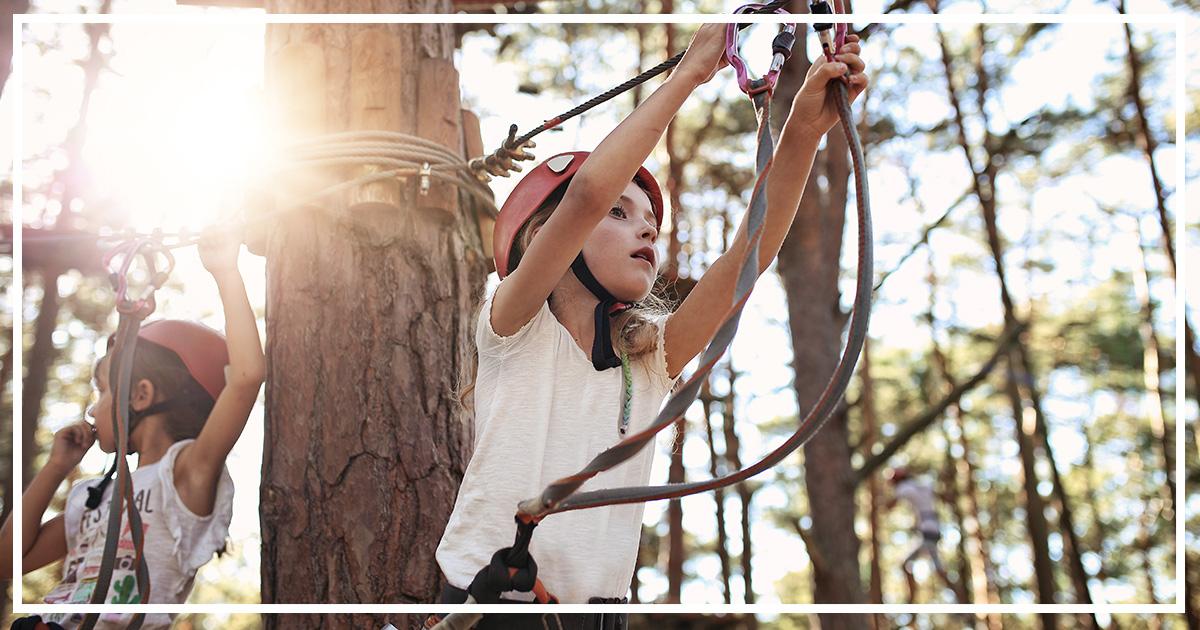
[{"x": 542, "y": 412}]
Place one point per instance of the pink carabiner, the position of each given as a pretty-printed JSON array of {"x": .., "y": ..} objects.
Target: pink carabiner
[
  {"x": 143, "y": 305},
  {"x": 747, "y": 84}
]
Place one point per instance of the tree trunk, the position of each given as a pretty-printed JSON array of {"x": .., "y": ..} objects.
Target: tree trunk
[
  {"x": 722, "y": 545},
  {"x": 1035, "y": 509},
  {"x": 975, "y": 573},
  {"x": 949, "y": 480},
  {"x": 37, "y": 376},
  {"x": 1022, "y": 386},
  {"x": 1190, "y": 359},
  {"x": 675, "y": 547},
  {"x": 745, "y": 492},
  {"x": 809, "y": 268},
  {"x": 949, "y": 475},
  {"x": 1148, "y": 144},
  {"x": 1098, "y": 528},
  {"x": 866, "y": 404},
  {"x": 1153, "y": 402},
  {"x": 369, "y": 327},
  {"x": 6, "y": 38},
  {"x": 1144, "y": 543}
]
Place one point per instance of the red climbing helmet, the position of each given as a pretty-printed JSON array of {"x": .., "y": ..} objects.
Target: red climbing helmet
[
  {"x": 537, "y": 185},
  {"x": 201, "y": 349}
]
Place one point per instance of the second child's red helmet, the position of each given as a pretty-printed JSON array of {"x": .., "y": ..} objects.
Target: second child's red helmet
[
  {"x": 537, "y": 186},
  {"x": 201, "y": 349}
]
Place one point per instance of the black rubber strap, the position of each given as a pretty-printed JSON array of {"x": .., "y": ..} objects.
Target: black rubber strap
[
  {"x": 34, "y": 623},
  {"x": 603, "y": 355},
  {"x": 496, "y": 578}
]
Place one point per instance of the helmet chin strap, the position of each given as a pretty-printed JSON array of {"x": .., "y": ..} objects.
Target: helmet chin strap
[{"x": 603, "y": 355}]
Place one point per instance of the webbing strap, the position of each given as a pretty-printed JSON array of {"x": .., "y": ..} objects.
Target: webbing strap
[{"x": 120, "y": 374}]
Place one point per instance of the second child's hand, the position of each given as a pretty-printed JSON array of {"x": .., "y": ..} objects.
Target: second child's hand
[
  {"x": 219, "y": 250},
  {"x": 71, "y": 443}
]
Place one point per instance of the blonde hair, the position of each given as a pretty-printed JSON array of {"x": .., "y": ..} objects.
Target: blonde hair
[{"x": 637, "y": 333}]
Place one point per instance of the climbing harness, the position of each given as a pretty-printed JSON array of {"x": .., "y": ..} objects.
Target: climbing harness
[{"x": 561, "y": 495}]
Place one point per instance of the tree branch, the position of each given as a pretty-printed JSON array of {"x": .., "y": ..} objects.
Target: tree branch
[
  {"x": 926, "y": 418},
  {"x": 820, "y": 567}
]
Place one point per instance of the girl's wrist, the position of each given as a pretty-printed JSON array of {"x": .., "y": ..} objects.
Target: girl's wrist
[
  {"x": 57, "y": 470},
  {"x": 230, "y": 274},
  {"x": 685, "y": 77},
  {"x": 800, "y": 135}
]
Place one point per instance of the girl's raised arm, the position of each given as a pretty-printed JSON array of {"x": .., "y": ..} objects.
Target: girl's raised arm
[
  {"x": 43, "y": 543},
  {"x": 693, "y": 324},
  {"x": 199, "y": 466},
  {"x": 599, "y": 183}
]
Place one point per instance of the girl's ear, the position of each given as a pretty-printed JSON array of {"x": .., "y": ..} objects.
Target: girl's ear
[{"x": 142, "y": 395}]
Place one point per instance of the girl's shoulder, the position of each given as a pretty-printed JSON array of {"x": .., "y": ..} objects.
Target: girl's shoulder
[
  {"x": 196, "y": 536},
  {"x": 490, "y": 342}
]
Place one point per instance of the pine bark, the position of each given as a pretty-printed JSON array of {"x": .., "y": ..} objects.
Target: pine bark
[
  {"x": 369, "y": 326},
  {"x": 866, "y": 405},
  {"x": 722, "y": 544}
]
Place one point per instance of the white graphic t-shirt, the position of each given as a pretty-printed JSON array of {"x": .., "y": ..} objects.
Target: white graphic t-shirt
[{"x": 176, "y": 543}]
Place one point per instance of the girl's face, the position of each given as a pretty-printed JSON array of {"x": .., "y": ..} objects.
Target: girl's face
[
  {"x": 101, "y": 409},
  {"x": 620, "y": 251}
]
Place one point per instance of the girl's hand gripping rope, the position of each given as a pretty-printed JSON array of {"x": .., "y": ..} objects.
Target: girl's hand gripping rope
[
  {"x": 705, "y": 56},
  {"x": 815, "y": 106}
]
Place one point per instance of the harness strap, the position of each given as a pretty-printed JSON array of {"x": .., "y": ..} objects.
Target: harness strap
[
  {"x": 511, "y": 569},
  {"x": 132, "y": 312},
  {"x": 121, "y": 373}
]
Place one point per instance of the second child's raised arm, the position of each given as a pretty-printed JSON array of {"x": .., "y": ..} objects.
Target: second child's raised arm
[{"x": 200, "y": 465}]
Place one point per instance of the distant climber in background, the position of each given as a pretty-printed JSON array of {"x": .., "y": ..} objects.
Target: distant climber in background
[{"x": 919, "y": 495}]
